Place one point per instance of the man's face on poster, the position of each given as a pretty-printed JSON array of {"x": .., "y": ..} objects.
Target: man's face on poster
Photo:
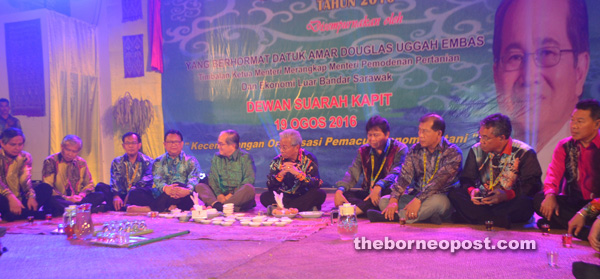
[{"x": 538, "y": 78}]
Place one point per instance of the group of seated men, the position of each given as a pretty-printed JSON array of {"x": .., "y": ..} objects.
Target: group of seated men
[{"x": 500, "y": 180}]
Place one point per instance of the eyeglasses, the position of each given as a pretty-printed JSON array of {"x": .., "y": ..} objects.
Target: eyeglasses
[
  {"x": 175, "y": 142},
  {"x": 130, "y": 143},
  {"x": 544, "y": 58},
  {"x": 485, "y": 138},
  {"x": 284, "y": 148}
]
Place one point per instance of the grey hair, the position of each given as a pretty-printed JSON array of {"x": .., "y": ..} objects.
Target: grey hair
[
  {"x": 293, "y": 135},
  {"x": 72, "y": 139}
]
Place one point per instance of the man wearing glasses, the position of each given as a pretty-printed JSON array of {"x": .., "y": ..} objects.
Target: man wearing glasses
[
  {"x": 541, "y": 60},
  {"x": 231, "y": 177},
  {"x": 500, "y": 177},
  {"x": 295, "y": 173},
  {"x": 175, "y": 175},
  {"x": 130, "y": 178},
  {"x": 378, "y": 161}
]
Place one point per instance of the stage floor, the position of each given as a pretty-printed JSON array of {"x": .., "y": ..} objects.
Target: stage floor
[{"x": 315, "y": 251}]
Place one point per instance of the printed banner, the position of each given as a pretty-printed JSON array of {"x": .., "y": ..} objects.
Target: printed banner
[{"x": 324, "y": 67}]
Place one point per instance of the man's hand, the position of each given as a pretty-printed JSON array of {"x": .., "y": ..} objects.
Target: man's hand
[
  {"x": 375, "y": 195},
  {"x": 391, "y": 209},
  {"x": 170, "y": 190},
  {"x": 412, "y": 208},
  {"x": 496, "y": 197},
  {"x": 180, "y": 192},
  {"x": 73, "y": 198},
  {"x": 117, "y": 202},
  {"x": 594, "y": 236},
  {"x": 474, "y": 194},
  {"x": 32, "y": 204},
  {"x": 576, "y": 224},
  {"x": 221, "y": 198},
  {"x": 549, "y": 206},
  {"x": 339, "y": 198},
  {"x": 291, "y": 168},
  {"x": 14, "y": 204}
]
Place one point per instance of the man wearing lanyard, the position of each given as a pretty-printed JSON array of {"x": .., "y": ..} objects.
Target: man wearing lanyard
[
  {"x": 377, "y": 160},
  {"x": 130, "y": 178},
  {"x": 431, "y": 168},
  {"x": 500, "y": 177}
]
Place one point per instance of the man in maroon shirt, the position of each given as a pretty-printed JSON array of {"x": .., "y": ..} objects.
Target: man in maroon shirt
[{"x": 569, "y": 185}]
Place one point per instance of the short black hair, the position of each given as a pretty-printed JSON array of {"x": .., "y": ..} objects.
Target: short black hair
[
  {"x": 500, "y": 123},
  {"x": 174, "y": 132},
  {"x": 129, "y": 134},
  {"x": 4, "y": 100},
  {"x": 380, "y": 122},
  {"x": 10, "y": 133},
  {"x": 438, "y": 122},
  {"x": 591, "y": 105},
  {"x": 232, "y": 137}
]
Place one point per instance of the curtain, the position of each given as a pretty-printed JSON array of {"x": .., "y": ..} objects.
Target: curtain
[{"x": 73, "y": 74}]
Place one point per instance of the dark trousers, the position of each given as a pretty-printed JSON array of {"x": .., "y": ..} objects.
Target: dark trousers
[
  {"x": 567, "y": 208},
  {"x": 357, "y": 198},
  {"x": 43, "y": 196},
  {"x": 164, "y": 201},
  {"x": 57, "y": 204},
  {"x": 136, "y": 196},
  {"x": 305, "y": 202},
  {"x": 517, "y": 210}
]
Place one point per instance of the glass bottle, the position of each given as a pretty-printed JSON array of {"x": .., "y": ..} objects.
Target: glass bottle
[
  {"x": 84, "y": 228},
  {"x": 347, "y": 224},
  {"x": 69, "y": 221}
]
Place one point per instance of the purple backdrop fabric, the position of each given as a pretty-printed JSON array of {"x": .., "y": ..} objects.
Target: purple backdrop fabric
[
  {"x": 25, "y": 67},
  {"x": 133, "y": 55},
  {"x": 132, "y": 10}
]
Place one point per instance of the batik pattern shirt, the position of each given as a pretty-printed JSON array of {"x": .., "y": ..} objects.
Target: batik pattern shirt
[
  {"x": 229, "y": 173},
  {"x": 125, "y": 175},
  {"x": 394, "y": 155},
  {"x": 15, "y": 175},
  {"x": 306, "y": 162},
  {"x": 515, "y": 170},
  {"x": 67, "y": 178},
  {"x": 183, "y": 169},
  {"x": 434, "y": 175}
]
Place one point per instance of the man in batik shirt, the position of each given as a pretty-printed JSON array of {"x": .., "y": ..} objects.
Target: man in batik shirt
[
  {"x": 499, "y": 179},
  {"x": 175, "y": 175},
  {"x": 295, "y": 173},
  {"x": 378, "y": 162},
  {"x": 18, "y": 199},
  {"x": 70, "y": 177},
  {"x": 431, "y": 169},
  {"x": 130, "y": 178},
  {"x": 571, "y": 181}
]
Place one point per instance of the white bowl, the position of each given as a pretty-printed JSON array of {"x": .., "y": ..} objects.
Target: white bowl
[
  {"x": 280, "y": 224},
  {"x": 311, "y": 214},
  {"x": 205, "y": 221},
  {"x": 226, "y": 224},
  {"x": 258, "y": 219},
  {"x": 217, "y": 222},
  {"x": 254, "y": 224},
  {"x": 267, "y": 223},
  {"x": 245, "y": 223}
]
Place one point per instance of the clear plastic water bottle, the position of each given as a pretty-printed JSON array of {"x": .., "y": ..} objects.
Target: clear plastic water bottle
[
  {"x": 347, "y": 224},
  {"x": 84, "y": 227}
]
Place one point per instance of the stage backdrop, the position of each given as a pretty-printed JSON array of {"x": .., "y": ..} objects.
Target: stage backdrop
[{"x": 325, "y": 66}]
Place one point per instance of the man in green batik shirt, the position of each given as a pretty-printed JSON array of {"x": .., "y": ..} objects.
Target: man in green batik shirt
[{"x": 231, "y": 177}]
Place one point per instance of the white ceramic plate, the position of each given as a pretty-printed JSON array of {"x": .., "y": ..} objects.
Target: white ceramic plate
[
  {"x": 284, "y": 215},
  {"x": 311, "y": 214}
]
